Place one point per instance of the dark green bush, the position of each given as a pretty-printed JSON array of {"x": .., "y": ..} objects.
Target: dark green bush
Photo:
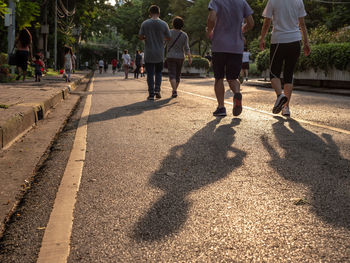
[
  {"x": 263, "y": 60},
  {"x": 198, "y": 62},
  {"x": 323, "y": 57}
]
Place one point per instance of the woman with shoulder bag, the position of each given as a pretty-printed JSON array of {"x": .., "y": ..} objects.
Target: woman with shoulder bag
[
  {"x": 177, "y": 47},
  {"x": 23, "y": 46}
]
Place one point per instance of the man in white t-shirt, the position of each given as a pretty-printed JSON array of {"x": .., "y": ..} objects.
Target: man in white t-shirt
[
  {"x": 245, "y": 64},
  {"x": 126, "y": 63},
  {"x": 288, "y": 19}
]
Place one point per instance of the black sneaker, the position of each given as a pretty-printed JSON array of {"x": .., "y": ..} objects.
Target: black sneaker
[
  {"x": 237, "y": 104},
  {"x": 150, "y": 97},
  {"x": 174, "y": 95},
  {"x": 280, "y": 101},
  {"x": 158, "y": 95},
  {"x": 220, "y": 111}
]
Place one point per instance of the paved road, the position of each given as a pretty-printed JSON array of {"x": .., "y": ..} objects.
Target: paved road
[{"x": 165, "y": 181}]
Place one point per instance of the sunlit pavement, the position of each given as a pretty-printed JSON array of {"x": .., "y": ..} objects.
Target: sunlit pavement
[{"x": 165, "y": 181}]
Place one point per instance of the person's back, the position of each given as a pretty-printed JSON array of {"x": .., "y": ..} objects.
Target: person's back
[
  {"x": 101, "y": 63},
  {"x": 285, "y": 18},
  {"x": 227, "y": 36},
  {"x": 154, "y": 30}
]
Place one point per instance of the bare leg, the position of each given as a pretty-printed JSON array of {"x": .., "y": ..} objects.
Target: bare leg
[
  {"x": 288, "y": 88},
  {"x": 235, "y": 85},
  {"x": 173, "y": 84},
  {"x": 220, "y": 92},
  {"x": 276, "y": 85}
]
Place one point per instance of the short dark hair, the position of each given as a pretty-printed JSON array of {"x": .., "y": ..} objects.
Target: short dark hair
[
  {"x": 154, "y": 10},
  {"x": 37, "y": 56},
  {"x": 125, "y": 51},
  {"x": 178, "y": 22}
]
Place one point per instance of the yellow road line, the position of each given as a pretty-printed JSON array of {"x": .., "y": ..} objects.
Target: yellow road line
[{"x": 55, "y": 246}]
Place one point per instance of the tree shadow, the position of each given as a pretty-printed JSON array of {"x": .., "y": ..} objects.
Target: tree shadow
[
  {"x": 206, "y": 158},
  {"x": 316, "y": 162}
]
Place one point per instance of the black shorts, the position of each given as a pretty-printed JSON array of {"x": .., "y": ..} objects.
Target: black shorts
[
  {"x": 287, "y": 53},
  {"x": 228, "y": 64},
  {"x": 245, "y": 65}
]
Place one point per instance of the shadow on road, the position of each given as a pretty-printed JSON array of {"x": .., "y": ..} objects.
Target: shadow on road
[
  {"x": 206, "y": 158},
  {"x": 316, "y": 162}
]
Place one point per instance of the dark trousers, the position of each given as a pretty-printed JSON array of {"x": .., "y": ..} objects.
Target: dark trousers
[{"x": 154, "y": 77}]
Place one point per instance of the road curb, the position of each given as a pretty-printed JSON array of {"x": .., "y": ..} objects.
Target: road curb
[{"x": 22, "y": 122}]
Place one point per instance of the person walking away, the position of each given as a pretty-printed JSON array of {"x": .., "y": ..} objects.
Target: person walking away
[
  {"x": 126, "y": 63},
  {"x": 177, "y": 47},
  {"x": 114, "y": 65},
  {"x": 245, "y": 64},
  {"x": 138, "y": 61},
  {"x": 224, "y": 28},
  {"x": 105, "y": 66},
  {"x": 38, "y": 67},
  {"x": 142, "y": 70},
  {"x": 288, "y": 19},
  {"x": 101, "y": 64},
  {"x": 23, "y": 46},
  {"x": 154, "y": 31},
  {"x": 209, "y": 58},
  {"x": 68, "y": 62}
]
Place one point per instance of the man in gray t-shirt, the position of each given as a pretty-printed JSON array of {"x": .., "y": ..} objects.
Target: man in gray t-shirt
[
  {"x": 224, "y": 28},
  {"x": 154, "y": 31}
]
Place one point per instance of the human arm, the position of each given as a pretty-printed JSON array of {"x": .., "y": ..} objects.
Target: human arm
[
  {"x": 305, "y": 36},
  {"x": 264, "y": 30},
  {"x": 249, "y": 24},
  {"x": 211, "y": 22}
]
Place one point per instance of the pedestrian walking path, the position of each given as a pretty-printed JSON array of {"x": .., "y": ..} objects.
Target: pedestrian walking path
[{"x": 22, "y": 104}]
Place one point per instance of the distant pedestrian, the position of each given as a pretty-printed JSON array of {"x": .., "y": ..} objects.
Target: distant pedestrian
[
  {"x": 114, "y": 65},
  {"x": 86, "y": 64},
  {"x": 154, "y": 31},
  {"x": 143, "y": 66},
  {"x": 209, "y": 58},
  {"x": 38, "y": 68},
  {"x": 68, "y": 62},
  {"x": 105, "y": 66},
  {"x": 224, "y": 28},
  {"x": 288, "y": 19},
  {"x": 138, "y": 61},
  {"x": 177, "y": 48},
  {"x": 126, "y": 63},
  {"x": 23, "y": 46},
  {"x": 101, "y": 64},
  {"x": 245, "y": 64}
]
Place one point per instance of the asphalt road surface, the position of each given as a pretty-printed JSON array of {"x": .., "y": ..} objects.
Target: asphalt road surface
[{"x": 165, "y": 181}]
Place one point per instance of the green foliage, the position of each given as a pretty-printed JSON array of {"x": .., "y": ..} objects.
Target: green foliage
[
  {"x": 322, "y": 57},
  {"x": 197, "y": 62},
  {"x": 26, "y": 13},
  {"x": 263, "y": 60},
  {"x": 253, "y": 70},
  {"x": 3, "y": 8},
  {"x": 321, "y": 35}
]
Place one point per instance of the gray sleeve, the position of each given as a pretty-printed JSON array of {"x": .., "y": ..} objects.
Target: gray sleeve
[
  {"x": 142, "y": 30},
  {"x": 166, "y": 31},
  {"x": 186, "y": 46}
]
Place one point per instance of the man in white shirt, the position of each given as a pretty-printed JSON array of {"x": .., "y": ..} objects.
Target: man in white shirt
[{"x": 288, "y": 19}]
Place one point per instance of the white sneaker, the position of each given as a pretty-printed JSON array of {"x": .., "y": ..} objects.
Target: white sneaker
[
  {"x": 281, "y": 100},
  {"x": 285, "y": 111}
]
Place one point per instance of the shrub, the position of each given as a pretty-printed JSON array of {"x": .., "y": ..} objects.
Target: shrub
[
  {"x": 323, "y": 56},
  {"x": 197, "y": 62},
  {"x": 263, "y": 60},
  {"x": 321, "y": 35}
]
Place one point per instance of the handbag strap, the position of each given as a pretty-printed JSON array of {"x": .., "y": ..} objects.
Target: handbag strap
[{"x": 175, "y": 41}]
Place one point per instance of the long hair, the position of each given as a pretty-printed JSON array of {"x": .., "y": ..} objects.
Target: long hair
[{"x": 25, "y": 37}]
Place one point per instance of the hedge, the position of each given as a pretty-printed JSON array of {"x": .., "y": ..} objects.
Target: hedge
[
  {"x": 322, "y": 57},
  {"x": 198, "y": 62}
]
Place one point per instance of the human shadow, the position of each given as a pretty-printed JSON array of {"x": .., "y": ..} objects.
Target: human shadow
[
  {"x": 317, "y": 163},
  {"x": 130, "y": 110},
  {"x": 207, "y": 157},
  {"x": 123, "y": 111}
]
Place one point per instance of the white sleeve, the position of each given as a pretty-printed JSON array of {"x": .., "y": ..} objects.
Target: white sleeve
[
  {"x": 301, "y": 9},
  {"x": 268, "y": 11}
]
